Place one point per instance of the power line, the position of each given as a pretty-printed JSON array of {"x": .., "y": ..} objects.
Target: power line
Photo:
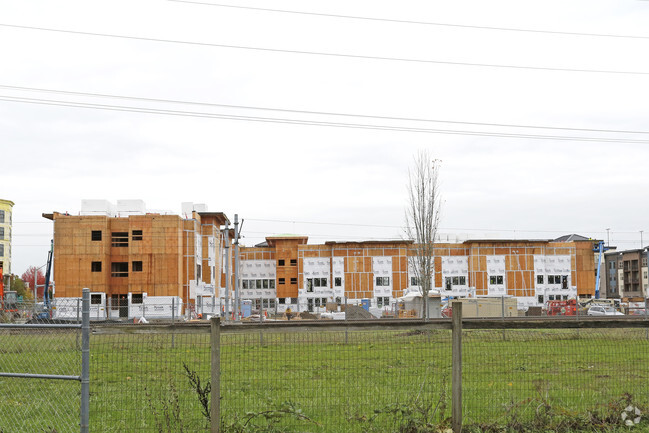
[
  {"x": 320, "y": 113},
  {"x": 340, "y": 55},
  {"x": 344, "y": 224},
  {"x": 426, "y": 23},
  {"x": 315, "y": 123}
]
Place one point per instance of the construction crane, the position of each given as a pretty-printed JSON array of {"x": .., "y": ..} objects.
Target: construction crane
[{"x": 599, "y": 247}]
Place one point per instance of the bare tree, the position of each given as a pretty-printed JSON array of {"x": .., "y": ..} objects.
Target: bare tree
[{"x": 422, "y": 219}]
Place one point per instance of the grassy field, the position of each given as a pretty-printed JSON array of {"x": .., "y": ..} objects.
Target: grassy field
[{"x": 330, "y": 381}]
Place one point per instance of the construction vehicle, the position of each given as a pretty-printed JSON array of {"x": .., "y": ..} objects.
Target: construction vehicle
[
  {"x": 47, "y": 295},
  {"x": 561, "y": 308},
  {"x": 585, "y": 304}
]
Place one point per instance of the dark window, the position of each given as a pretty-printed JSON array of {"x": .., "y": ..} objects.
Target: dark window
[
  {"x": 309, "y": 304},
  {"x": 244, "y": 284},
  {"x": 550, "y": 279},
  {"x": 414, "y": 281},
  {"x": 316, "y": 282},
  {"x": 119, "y": 269},
  {"x": 282, "y": 301},
  {"x": 271, "y": 284},
  {"x": 280, "y": 281},
  {"x": 492, "y": 279},
  {"x": 564, "y": 282},
  {"x": 499, "y": 279},
  {"x": 338, "y": 300},
  {"x": 540, "y": 299},
  {"x": 120, "y": 239},
  {"x": 258, "y": 284},
  {"x": 338, "y": 281},
  {"x": 95, "y": 267},
  {"x": 317, "y": 302},
  {"x": 2, "y": 250},
  {"x": 324, "y": 302},
  {"x": 136, "y": 267},
  {"x": 2, "y": 232},
  {"x": 448, "y": 283},
  {"x": 265, "y": 283},
  {"x": 199, "y": 275},
  {"x": 293, "y": 280},
  {"x": 293, "y": 262},
  {"x": 539, "y": 279},
  {"x": 456, "y": 281},
  {"x": 2, "y": 216},
  {"x": 137, "y": 235},
  {"x": 324, "y": 282},
  {"x": 95, "y": 235},
  {"x": 462, "y": 281},
  {"x": 95, "y": 299},
  {"x": 293, "y": 300},
  {"x": 309, "y": 284},
  {"x": 280, "y": 262},
  {"x": 382, "y": 281},
  {"x": 136, "y": 298}
]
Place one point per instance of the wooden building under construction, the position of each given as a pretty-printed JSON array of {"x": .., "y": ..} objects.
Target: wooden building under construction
[
  {"x": 286, "y": 270},
  {"x": 130, "y": 257},
  {"x": 146, "y": 263}
]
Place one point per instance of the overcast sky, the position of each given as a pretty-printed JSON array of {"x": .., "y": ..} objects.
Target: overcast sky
[{"x": 537, "y": 109}]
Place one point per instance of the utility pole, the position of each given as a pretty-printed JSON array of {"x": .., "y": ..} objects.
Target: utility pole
[
  {"x": 237, "y": 301},
  {"x": 228, "y": 274},
  {"x": 641, "y": 241}
]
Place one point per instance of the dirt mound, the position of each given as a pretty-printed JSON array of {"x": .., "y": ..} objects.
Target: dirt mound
[{"x": 358, "y": 313}]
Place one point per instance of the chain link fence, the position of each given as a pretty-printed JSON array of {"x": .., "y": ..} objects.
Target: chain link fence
[
  {"x": 329, "y": 376},
  {"x": 40, "y": 371}
]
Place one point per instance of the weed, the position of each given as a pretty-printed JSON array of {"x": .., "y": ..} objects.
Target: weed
[
  {"x": 203, "y": 392},
  {"x": 267, "y": 421}
]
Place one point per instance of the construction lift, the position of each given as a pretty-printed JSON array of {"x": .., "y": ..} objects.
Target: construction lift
[
  {"x": 599, "y": 247},
  {"x": 46, "y": 314}
]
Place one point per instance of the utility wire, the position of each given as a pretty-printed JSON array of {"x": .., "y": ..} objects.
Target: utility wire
[
  {"x": 320, "y": 113},
  {"x": 573, "y": 230},
  {"x": 314, "y": 123},
  {"x": 426, "y": 23},
  {"x": 340, "y": 55}
]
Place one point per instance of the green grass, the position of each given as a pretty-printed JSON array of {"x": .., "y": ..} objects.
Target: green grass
[{"x": 332, "y": 382}]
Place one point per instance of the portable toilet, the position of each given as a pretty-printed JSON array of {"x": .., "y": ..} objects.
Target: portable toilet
[{"x": 365, "y": 303}]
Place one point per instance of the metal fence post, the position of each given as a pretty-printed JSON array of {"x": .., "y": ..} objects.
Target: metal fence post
[
  {"x": 173, "y": 321},
  {"x": 85, "y": 362},
  {"x": 215, "y": 384},
  {"x": 456, "y": 360},
  {"x": 502, "y": 300}
]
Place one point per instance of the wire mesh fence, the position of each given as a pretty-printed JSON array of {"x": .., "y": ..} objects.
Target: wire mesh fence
[
  {"x": 333, "y": 381},
  {"x": 36, "y": 404},
  {"x": 358, "y": 377},
  {"x": 142, "y": 381},
  {"x": 529, "y": 376}
]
